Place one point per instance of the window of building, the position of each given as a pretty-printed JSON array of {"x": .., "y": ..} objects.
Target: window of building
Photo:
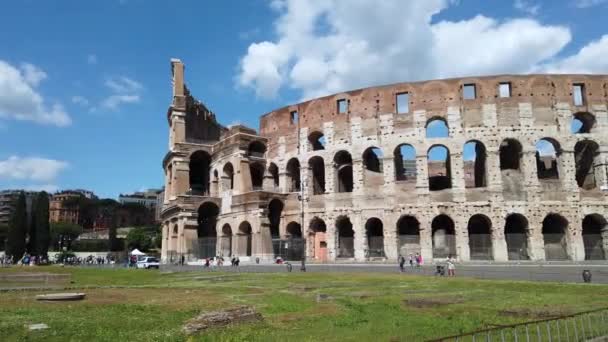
[
  {"x": 468, "y": 92},
  {"x": 504, "y": 89},
  {"x": 403, "y": 103},
  {"x": 578, "y": 94},
  {"x": 294, "y": 117},
  {"x": 342, "y": 106}
]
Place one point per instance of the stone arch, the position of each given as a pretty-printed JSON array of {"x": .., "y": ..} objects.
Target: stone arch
[
  {"x": 316, "y": 165},
  {"x": 516, "y": 237},
  {"x": 293, "y": 175},
  {"x": 444, "y": 236},
  {"x": 256, "y": 171},
  {"x": 200, "y": 168},
  {"x": 294, "y": 229},
  {"x": 548, "y": 152},
  {"x": 439, "y": 168},
  {"x": 405, "y": 162},
  {"x": 226, "y": 240},
  {"x": 555, "y": 228},
  {"x": 346, "y": 237},
  {"x": 317, "y": 141},
  {"x": 317, "y": 246},
  {"x": 256, "y": 148},
  {"x": 207, "y": 233},
  {"x": 244, "y": 239},
  {"x": 480, "y": 237},
  {"x": 475, "y": 170},
  {"x": 582, "y": 122},
  {"x": 273, "y": 170},
  {"x": 586, "y": 157},
  {"x": 408, "y": 230},
  {"x": 228, "y": 177},
  {"x": 372, "y": 159},
  {"x": 374, "y": 232},
  {"x": 510, "y": 154},
  {"x": 595, "y": 237},
  {"x": 343, "y": 164},
  {"x": 437, "y": 127}
]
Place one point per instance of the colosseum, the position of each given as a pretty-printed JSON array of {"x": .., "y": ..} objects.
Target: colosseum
[{"x": 501, "y": 168}]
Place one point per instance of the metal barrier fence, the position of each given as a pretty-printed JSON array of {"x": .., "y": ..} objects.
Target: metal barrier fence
[
  {"x": 346, "y": 247},
  {"x": 582, "y": 326}
]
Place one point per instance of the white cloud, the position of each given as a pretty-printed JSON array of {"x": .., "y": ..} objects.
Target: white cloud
[
  {"x": 590, "y": 59},
  {"x": 527, "y": 6},
  {"x": 20, "y": 100},
  {"x": 322, "y": 47},
  {"x": 92, "y": 59},
  {"x": 31, "y": 168},
  {"x": 124, "y": 90},
  {"x": 114, "y": 101},
  {"x": 80, "y": 100},
  {"x": 589, "y": 3}
]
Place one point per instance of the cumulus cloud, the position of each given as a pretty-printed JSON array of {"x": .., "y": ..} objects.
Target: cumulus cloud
[
  {"x": 328, "y": 46},
  {"x": 590, "y": 59},
  {"x": 31, "y": 168},
  {"x": 20, "y": 100},
  {"x": 124, "y": 91}
]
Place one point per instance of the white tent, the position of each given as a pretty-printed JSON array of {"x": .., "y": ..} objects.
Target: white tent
[{"x": 137, "y": 252}]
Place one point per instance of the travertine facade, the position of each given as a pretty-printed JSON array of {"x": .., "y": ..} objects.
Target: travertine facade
[{"x": 338, "y": 172}]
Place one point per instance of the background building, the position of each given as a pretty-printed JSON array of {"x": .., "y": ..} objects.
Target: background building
[{"x": 7, "y": 203}]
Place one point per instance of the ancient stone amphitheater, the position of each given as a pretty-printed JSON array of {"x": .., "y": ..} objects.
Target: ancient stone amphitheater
[{"x": 499, "y": 168}]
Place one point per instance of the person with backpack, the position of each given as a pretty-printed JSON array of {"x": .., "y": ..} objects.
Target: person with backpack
[{"x": 401, "y": 263}]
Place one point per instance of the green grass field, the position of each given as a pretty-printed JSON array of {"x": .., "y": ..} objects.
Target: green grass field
[{"x": 139, "y": 305}]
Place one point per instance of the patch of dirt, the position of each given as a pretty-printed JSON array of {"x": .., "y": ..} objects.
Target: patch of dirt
[
  {"x": 319, "y": 310},
  {"x": 547, "y": 312},
  {"x": 222, "y": 318},
  {"x": 433, "y": 302}
]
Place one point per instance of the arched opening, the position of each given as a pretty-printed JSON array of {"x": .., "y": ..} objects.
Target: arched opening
[
  {"x": 175, "y": 228},
  {"x": 293, "y": 175},
  {"x": 275, "y": 209},
  {"x": 317, "y": 167},
  {"x": 274, "y": 172},
  {"x": 474, "y": 156},
  {"x": 480, "y": 237},
  {"x": 595, "y": 237},
  {"x": 256, "y": 171},
  {"x": 437, "y": 128},
  {"x": 200, "y": 162},
  {"x": 547, "y": 152},
  {"x": 227, "y": 177},
  {"x": 440, "y": 175},
  {"x": 444, "y": 241},
  {"x": 510, "y": 154},
  {"x": 256, "y": 149},
  {"x": 516, "y": 236},
  {"x": 582, "y": 122},
  {"x": 317, "y": 238},
  {"x": 554, "y": 235},
  {"x": 317, "y": 141},
  {"x": 586, "y": 157},
  {"x": 244, "y": 239},
  {"x": 375, "y": 238},
  {"x": 293, "y": 247},
  {"x": 405, "y": 162},
  {"x": 343, "y": 163},
  {"x": 226, "y": 241},
  {"x": 408, "y": 229},
  {"x": 372, "y": 164},
  {"x": 346, "y": 237},
  {"x": 207, "y": 233}
]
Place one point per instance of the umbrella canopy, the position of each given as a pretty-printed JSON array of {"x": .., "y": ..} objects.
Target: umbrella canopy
[{"x": 137, "y": 252}]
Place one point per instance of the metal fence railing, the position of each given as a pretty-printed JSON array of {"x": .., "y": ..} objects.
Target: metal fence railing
[{"x": 582, "y": 326}]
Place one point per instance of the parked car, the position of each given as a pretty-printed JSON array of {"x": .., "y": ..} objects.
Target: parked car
[{"x": 148, "y": 262}]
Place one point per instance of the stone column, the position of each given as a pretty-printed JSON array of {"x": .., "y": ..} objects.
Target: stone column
[
  {"x": 530, "y": 175},
  {"x": 568, "y": 174},
  {"x": 391, "y": 238},
  {"x": 422, "y": 175},
  {"x": 165, "y": 242},
  {"x": 499, "y": 242},
  {"x": 332, "y": 234},
  {"x": 330, "y": 177},
  {"x": 463, "y": 252},
  {"x": 426, "y": 238},
  {"x": 181, "y": 177},
  {"x": 242, "y": 177},
  {"x": 388, "y": 168},
  {"x": 177, "y": 131},
  {"x": 536, "y": 242},
  {"x": 574, "y": 236},
  {"x": 457, "y": 174},
  {"x": 360, "y": 242},
  {"x": 494, "y": 179},
  {"x": 358, "y": 176},
  {"x": 306, "y": 179},
  {"x": 168, "y": 182}
]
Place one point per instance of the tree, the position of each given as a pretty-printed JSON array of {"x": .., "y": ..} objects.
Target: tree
[
  {"x": 3, "y": 235},
  {"x": 64, "y": 233},
  {"x": 31, "y": 230},
  {"x": 17, "y": 231},
  {"x": 41, "y": 222},
  {"x": 138, "y": 238}
]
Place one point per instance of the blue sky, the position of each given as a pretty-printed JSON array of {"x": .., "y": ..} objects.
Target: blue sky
[{"x": 84, "y": 86}]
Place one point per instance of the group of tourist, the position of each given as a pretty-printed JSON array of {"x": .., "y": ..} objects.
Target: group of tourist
[
  {"x": 25, "y": 260},
  {"x": 415, "y": 261},
  {"x": 218, "y": 261}
]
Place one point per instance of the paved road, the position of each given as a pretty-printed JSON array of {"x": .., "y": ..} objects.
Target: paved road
[{"x": 546, "y": 272}]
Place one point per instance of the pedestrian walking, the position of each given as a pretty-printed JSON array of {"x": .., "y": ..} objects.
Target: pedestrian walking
[
  {"x": 451, "y": 266},
  {"x": 401, "y": 263},
  {"x": 411, "y": 260}
]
